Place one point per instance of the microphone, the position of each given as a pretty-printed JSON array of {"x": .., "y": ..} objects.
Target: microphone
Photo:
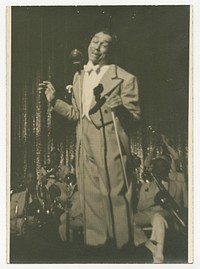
[
  {"x": 99, "y": 101},
  {"x": 76, "y": 58},
  {"x": 97, "y": 92}
]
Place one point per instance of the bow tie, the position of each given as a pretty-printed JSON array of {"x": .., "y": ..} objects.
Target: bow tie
[{"x": 90, "y": 67}]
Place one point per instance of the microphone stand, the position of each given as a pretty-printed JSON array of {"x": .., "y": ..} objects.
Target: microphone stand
[
  {"x": 82, "y": 155},
  {"x": 77, "y": 60},
  {"x": 77, "y": 67}
]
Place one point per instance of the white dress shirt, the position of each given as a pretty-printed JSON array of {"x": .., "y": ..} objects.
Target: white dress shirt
[{"x": 92, "y": 77}]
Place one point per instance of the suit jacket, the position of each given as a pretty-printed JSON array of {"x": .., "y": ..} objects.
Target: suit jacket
[
  {"x": 149, "y": 190},
  {"x": 115, "y": 81}
]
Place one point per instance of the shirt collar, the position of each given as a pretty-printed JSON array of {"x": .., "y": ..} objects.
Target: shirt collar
[{"x": 90, "y": 67}]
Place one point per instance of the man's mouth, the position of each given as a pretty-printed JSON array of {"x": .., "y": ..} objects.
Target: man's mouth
[{"x": 95, "y": 54}]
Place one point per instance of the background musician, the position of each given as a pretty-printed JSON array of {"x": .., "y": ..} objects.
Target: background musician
[
  {"x": 152, "y": 213},
  {"x": 166, "y": 149},
  {"x": 23, "y": 206},
  {"x": 60, "y": 197},
  {"x": 55, "y": 167},
  {"x": 53, "y": 172},
  {"x": 71, "y": 221}
]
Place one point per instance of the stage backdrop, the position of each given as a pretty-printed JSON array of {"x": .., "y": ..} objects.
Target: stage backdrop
[{"x": 153, "y": 45}]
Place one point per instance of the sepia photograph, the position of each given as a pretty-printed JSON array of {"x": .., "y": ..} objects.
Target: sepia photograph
[{"x": 99, "y": 119}]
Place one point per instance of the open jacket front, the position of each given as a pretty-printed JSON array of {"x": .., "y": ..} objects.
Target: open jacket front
[{"x": 115, "y": 81}]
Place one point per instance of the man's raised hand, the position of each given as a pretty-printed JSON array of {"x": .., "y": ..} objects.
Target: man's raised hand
[{"x": 49, "y": 90}]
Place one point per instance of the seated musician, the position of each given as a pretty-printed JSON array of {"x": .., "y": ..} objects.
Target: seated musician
[
  {"x": 55, "y": 167},
  {"x": 71, "y": 221},
  {"x": 151, "y": 212},
  {"x": 60, "y": 197},
  {"x": 23, "y": 205},
  {"x": 48, "y": 175},
  {"x": 168, "y": 150},
  {"x": 32, "y": 199}
]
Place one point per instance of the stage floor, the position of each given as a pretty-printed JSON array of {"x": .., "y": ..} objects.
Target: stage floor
[{"x": 44, "y": 246}]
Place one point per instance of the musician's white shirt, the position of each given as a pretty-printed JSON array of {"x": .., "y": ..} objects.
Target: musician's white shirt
[{"x": 165, "y": 184}]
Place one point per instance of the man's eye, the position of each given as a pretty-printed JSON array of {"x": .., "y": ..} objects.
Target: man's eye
[
  {"x": 105, "y": 45},
  {"x": 95, "y": 40}
]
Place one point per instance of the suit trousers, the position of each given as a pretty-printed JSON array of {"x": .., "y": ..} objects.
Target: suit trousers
[
  {"x": 158, "y": 219},
  {"x": 105, "y": 199}
]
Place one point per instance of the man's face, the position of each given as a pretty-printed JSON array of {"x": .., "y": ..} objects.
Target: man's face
[
  {"x": 160, "y": 169},
  {"x": 99, "y": 48}
]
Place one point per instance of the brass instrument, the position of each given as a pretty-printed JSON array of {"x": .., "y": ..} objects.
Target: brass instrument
[{"x": 168, "y": 202}]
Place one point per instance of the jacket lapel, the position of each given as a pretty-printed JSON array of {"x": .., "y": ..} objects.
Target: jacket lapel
[
  {"x": 77, "y": 89},
  {"x": 109, "y": 82}
]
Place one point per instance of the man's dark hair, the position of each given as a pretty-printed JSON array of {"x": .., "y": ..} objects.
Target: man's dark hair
[{"x": 110, "y": 32}]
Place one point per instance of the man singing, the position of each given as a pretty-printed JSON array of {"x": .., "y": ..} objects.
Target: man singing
[{"x": 100, "y": 91}]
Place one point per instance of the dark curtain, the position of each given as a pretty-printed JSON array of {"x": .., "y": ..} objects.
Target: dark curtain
[{"x": 153, "y": 45}]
